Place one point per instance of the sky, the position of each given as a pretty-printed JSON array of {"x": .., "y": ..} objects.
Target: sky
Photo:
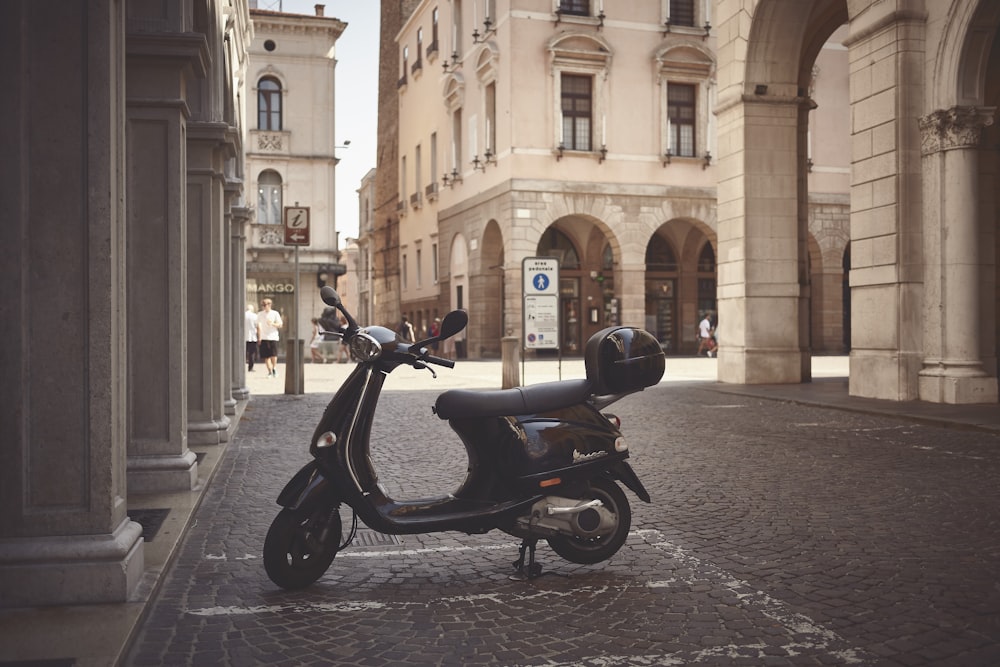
[{"x": 356, "y": 110}]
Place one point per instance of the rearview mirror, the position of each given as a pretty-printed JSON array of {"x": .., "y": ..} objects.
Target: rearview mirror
[
  {"x": 453, "y": 322},
  {"x": 330, "y": 296}
]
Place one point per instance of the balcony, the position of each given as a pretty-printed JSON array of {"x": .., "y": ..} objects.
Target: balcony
[
  {"x": 431, "y": 191},
  {"x": 401, "y": 207},
  {"x": 416, "y": 199}
]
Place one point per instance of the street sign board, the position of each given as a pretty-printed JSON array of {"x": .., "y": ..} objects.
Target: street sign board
[
  {"x": 540, "y": 313},
  {"x": 296, "y": 225}
]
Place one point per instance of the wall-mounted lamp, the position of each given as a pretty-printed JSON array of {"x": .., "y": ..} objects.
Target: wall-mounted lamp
[
  {"x": 489, "y": 157},
  {"x": 559, "y": 151},
  {"x": 667, "y": 157},
  {"x": 604, "y": 154},
  {"x": 708, "y": 30},
  {"x": 600, "y": 17},
  {"x": 666, "y": 27},
  {"x": 450, "y": 64},
  {"x": 477, "y": 165},
  {"x": 708, "y": 160},
  {"x": 451, "y": 179}
]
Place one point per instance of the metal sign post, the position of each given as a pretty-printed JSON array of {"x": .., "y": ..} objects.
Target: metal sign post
[
  {"x": 540, "y": 306},
  {"x": 296, "y": 223}
]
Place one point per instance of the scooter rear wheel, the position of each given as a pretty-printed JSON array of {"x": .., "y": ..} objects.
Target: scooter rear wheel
[
  {"x": 589, "y": 551},
  {"x": 295, "y": 553}
]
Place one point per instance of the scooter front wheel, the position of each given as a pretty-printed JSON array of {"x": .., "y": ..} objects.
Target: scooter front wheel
[
  {"x": 594, "y": 550},
  {"x": 300, "y": 546}
]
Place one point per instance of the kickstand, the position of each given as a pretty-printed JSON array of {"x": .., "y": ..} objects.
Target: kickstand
[{"x": 532, "y": 569}]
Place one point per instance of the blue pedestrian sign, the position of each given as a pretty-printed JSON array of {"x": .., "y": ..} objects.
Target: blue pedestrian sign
[
  {"x": 540, "y": 301},
  {"x": 541, "y": 275}
]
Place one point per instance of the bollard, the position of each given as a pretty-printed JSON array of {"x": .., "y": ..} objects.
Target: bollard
[
  {"x": 294, "y": 375},
  {"x": 511, "y": 354}
]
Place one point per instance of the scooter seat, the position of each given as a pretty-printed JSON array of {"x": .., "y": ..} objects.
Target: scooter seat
[{"x": 469, "y": 403}]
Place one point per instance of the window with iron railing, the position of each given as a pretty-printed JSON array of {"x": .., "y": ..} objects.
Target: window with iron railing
[
  {"x": 681, "y": 118},
  {"x": 682, "y": 12},
  {"x": 575, "y": 7},
  {"x": 577, "y": 107}
]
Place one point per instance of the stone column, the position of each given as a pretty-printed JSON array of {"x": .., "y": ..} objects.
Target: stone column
[
  {"x": 758, "y": 231},
  {"x": 953, "y": 368},
  {"x": 238, "y": 231},
  {"x": 159, "y": 67},
  {"x": 64, "y": 534},
  {"x": 233, "y": 308},
  {"x": 207, "y": 421}
]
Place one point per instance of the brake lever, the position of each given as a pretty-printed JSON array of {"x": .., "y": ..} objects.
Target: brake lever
[{"x": 421, "y": 366}]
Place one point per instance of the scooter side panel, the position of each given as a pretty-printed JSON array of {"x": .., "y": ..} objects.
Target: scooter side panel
[{"x": 564, "y": 438}]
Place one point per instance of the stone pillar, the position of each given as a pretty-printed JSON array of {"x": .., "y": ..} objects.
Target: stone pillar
[
  {"x": 233, "y": 308},
  {"x": 64, "y": 534},
  {"x": 887, "y": 59},
  {"x": 238, "y": 232},
  {"x": 207, "y": 421},
  {"x": 159, "y": 66},
  {"x": 953, "y": 368},
  {"x": 758, "y": 249}
]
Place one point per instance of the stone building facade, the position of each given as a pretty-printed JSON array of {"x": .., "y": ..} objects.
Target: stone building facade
[
  {"x": 791, "y": 165},
  {"x": 122, "y": 318},
  {"x": 291, "y": 152}
]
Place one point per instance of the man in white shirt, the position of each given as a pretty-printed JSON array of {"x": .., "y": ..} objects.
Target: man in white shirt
[
  {"x": 269, "y": 322},
  {"x": 705, "y": 335}
]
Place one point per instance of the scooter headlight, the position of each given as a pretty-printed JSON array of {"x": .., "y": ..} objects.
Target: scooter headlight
[{"x": 364, "y": 347}]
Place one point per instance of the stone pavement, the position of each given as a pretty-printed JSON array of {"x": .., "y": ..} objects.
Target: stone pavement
[{"x": 790, "y": 525}]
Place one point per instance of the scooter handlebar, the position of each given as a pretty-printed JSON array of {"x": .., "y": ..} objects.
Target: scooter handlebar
[{"x": 439, "y": 361}]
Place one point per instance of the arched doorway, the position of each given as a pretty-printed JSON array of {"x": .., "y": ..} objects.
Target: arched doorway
[{"x": 587, "y": 301}]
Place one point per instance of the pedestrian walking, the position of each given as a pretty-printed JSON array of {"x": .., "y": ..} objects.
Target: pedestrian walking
[{"x": 269, "y": 322}]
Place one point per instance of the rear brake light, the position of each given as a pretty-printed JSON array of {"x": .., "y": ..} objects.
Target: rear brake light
[{"x": 613, "y": 419}]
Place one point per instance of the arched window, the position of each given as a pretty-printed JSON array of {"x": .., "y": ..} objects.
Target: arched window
[
  {"x": 556, "y": 244},
  {"x": 269, "y": 198},
  {"x": 268, "y": 104},
  {"x": 706, "y": 260},
  {"x": 659, "y": 255}
]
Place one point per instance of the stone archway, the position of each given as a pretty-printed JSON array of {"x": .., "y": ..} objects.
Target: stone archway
[{"x": 763, "y": 199}]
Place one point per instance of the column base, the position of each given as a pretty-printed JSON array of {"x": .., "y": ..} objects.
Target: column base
[
  {"x": 157, "y": 474},
  {"x": 760, "y": 366},
  {"x": 211, "y": 432},
  {"x": 229, "y": 406},
  {"x": 72, "y": 569},
  {"x": 959, "y": 385},
  {"x": 241, "y": 393}
]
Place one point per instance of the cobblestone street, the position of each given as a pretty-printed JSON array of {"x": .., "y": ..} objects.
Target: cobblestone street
[{"x": 778, "y": 534}]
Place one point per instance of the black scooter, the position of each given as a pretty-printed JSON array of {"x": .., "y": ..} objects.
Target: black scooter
[{"x": 544, "y": 462}]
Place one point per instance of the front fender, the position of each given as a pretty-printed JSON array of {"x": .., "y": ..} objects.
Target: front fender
[{"x": 307, "y": 489}]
